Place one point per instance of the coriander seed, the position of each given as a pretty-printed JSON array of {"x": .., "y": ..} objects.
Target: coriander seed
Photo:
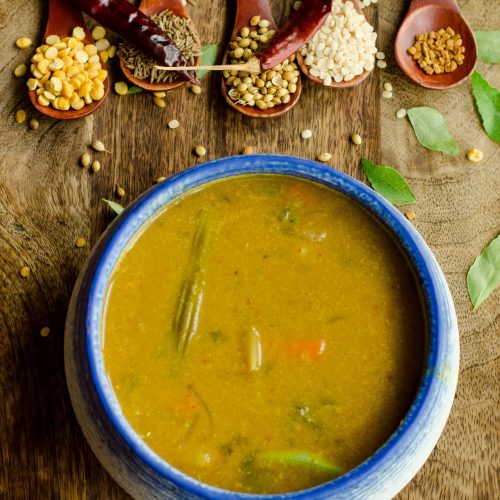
[
  {"x": 85, "y": 160},
  {"x": 96, "y": 166},
  {"x": 324, "y": 157}
]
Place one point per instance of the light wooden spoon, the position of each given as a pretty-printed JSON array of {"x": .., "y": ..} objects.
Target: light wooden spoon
[
  {"x": 335, "y": 85},
  {"x": 150, "y": 8},
  {"x": 245, "y": 10},
  {"x": 424, "y": 16},
  {"x": 63, "y": 17}
]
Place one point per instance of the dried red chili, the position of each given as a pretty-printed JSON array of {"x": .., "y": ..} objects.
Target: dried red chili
[
  {"x": 298, "y": 29},
  {"x": 130, "y": 23}
]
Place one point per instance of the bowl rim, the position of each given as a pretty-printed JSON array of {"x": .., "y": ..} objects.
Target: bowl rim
[{"x": 389, "y": 469}]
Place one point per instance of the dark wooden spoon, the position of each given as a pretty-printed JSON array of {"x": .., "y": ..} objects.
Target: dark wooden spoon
[
  {"x": 63, "y": 17},
  {"x": 150, "y": 8},
  {"x": 432, "y": 15},
  {"x": 335, "y": 85},
  {"x": 245, "y": 10}
]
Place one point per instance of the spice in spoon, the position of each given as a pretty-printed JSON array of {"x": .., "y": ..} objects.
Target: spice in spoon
[
  {"x": 143, "y": 32},
  {"x": 182, "y": 33},
  {"x": 263, "y": 90},
  {"x": 438, "y": 52}
]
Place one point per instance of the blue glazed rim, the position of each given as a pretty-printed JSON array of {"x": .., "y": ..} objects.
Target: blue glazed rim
[{"x": 409, "y": 446}]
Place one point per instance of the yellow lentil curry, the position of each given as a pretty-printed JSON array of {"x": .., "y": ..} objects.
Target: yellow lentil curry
[{"x": 263, "y": 334}]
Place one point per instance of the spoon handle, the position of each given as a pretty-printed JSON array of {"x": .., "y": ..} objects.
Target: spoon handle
[
  {"x": 450, "y": 4},
  {"x": 62, "y": 18},
  {"x": 217, "y": 67}
]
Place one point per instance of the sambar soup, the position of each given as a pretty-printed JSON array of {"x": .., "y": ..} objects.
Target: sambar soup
[{"x": 263, "y": 334}]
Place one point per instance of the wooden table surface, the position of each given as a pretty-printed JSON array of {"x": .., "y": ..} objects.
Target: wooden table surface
[{"x": 47, "y": 201}]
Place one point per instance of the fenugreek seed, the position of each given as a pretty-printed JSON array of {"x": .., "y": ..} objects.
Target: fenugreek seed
[
  {"x": 410, "y": 214},
  {"x": 324, "y": 157},
  {"x": 388, "y": 86},
  {"x": 255, "y": 20},
  {"x": 387, "y": 94},
  {"x": 45, "y": 331},
  {"x": 401, "y": 113},
  {"x": 195, "y": 89},
  {"x": 247, "y": 150},
  {"x": 160, "y": 179},
  {"x": 98, "y": 146},
  {"x": 85, "y": 160},
  {"x": 96, "y": 166},
  {"x": 159, "y": 102},
  {"x": 200, "y": 151},
  {"x": 20, "y": 70},
  {"x": 25, "y": 271},
  {"x": 173, "y": 124},
  {"x": 23, "y": 43},
  {"x": 160, "y": 94},
  {"x": 20, "y": 116},
  {"x": 80, "y": 243},
  {"x": 306, "y": 134},
  {"x": 120, "y": 192},
  {"x": 356, "y": 139},
  {"x": 121, "y": 88},
  {"x": 34, "y": 124},
  {"x": 474, "y": 155}
]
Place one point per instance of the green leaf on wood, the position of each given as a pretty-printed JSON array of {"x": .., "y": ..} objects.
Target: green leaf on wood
[
  {"x": 208, "y": 57},
  {"x": 488, "y": 104},
  {"x": 484, "y": 275},
  {"x": 431, "y": 130},
  {"x": 134, "y": 90},
  {"x": 388, "y": 182},
  {"x": 116, "y": 207},
  {"x": 488, "y": 46}
]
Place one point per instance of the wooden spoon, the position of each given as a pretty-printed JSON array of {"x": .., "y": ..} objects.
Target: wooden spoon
[
  {"x": 336, "y": 85},
  {"x": 245, "y": 10},
  {"x": 63, "y": 17},
  {"x": 432, "y": 15},
  {"x": 150, "y": 8}
]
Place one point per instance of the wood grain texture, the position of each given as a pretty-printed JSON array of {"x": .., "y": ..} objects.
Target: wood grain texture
[{"x": 47, "y": 201}]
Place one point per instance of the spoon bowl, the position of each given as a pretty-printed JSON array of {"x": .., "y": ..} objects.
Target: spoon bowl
[
  {"x": 245, "y": 10},
  {"x": 150, "y": 8},
  {"x": 336, "y": 85},
  {"x": 63, "y": 17},
  {"x": 431, "y": 15}
]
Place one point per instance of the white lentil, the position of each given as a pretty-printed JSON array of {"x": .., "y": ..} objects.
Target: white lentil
[
  {"x": 386, "y": 94},
  {"x": 343, "y": 48},
  {"x": 401, "y": 113},
  {"x": 380, "y": 55},
  {"x": 381, "y": 64},
  {"x": 306, "y": 134},
  {"x": 388, "y": 86}
]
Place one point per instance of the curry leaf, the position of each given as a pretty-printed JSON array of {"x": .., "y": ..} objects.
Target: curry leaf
[
  {"x": 431, "y": 130},
  {"x": 488, "y": 104},
  {"x": 388, "y": 182},
  {"x": 134, "y": 90},
  {"x": 208, "y": 57},
  {"x": 488, "y": 46},
  {"x": 116, "y": 207},
  {"x": 484, "y": 275}
]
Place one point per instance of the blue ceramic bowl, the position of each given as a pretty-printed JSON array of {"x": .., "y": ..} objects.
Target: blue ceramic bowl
[{"x": 143, "y": 473}]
